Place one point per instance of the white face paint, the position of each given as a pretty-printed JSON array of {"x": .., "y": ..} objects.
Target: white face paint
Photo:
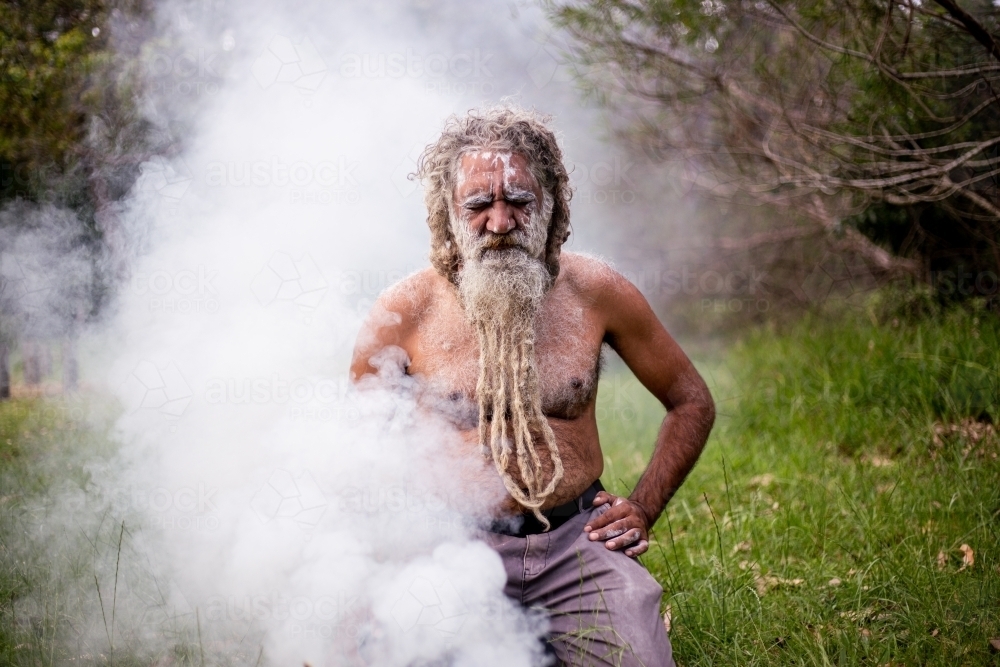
[{"x": 531, "y": 233}]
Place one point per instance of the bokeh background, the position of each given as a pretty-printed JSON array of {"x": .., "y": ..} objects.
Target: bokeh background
[{"x": 200, "y": 201}]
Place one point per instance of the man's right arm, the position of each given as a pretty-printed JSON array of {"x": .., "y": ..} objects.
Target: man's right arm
[{"x": 389, "y": 325}]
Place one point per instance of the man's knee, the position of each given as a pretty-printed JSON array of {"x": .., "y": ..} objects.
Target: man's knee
[
  {"x": 638, "y": 619},
  {"x": 621, "y": 625}
]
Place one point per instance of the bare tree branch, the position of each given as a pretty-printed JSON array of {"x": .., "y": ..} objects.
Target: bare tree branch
[
  {"x": 974, "y": 27},
  {"x": 784, "y": 109}
]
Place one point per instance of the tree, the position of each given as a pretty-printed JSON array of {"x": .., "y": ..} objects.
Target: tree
[
  {"x": 59, "y": 73},
  {"x": 872, "y": 125},
  {"x": 71, "y": 141}
]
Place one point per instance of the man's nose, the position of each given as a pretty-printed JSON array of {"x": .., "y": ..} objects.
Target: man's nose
[{"x": 500, "y": 218}]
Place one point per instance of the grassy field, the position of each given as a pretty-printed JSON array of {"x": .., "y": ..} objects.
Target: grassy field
[
  {"x": 846, "y": 510},
  {"x": 847, "y": 507},
  {"x": 49, "y": 560}
]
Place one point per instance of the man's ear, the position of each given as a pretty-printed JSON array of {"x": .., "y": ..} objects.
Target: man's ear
[
  {"x": 559, "y": 231},
  {"x": 445, "y": 257}
]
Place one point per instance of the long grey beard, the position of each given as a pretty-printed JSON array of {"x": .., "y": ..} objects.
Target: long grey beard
[{"x": 501, "y": 294}]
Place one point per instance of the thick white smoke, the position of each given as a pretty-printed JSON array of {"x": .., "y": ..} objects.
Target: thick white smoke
[{"x": 264, "y": 510}]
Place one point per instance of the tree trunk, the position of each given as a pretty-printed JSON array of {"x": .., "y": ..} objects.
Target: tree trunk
[
  {"x": 44, "y": 361},
  {"x": 4, "y": 372},
  {"x": 32, "y": 370},
  {"x": 71, "y": 370}
]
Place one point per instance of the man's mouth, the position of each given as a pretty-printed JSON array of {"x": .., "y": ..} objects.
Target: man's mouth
[
  {"x": 500, "y": 252},
  {"x": 501, "y": 243}
]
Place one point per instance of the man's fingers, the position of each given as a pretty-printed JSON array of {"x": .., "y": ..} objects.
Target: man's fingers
[
  {"x": 601, "y": 498},
  {"x": 616, "y": 513},
  {"x": 619, "y": 526},
  {"x": 638, "y": 549},
  {"x": 615, "y": 530},
  {"x": 629, "y": 537}
]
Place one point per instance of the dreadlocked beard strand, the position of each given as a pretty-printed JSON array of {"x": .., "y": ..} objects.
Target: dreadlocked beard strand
[{"x": 502, "y": 302}]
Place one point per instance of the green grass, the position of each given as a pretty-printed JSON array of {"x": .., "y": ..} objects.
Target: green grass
[
  {"x": 825, "y": 520},
  {"x": 59, "y": 541},
  {"x": 42, "y": 443},
  {"x": 845, "y": 449}
]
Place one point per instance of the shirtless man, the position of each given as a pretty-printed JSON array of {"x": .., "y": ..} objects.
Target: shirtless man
[{"x": 505, "y": 324}]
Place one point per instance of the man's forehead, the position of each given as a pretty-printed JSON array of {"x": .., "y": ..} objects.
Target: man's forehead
[{"x": 485, "y": 164}]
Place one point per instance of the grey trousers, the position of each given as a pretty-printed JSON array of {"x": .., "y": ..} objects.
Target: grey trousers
[{"x": 604, "y": 607}]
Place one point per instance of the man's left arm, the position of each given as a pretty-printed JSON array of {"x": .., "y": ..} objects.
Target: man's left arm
[{"x": 634, "y": 332}]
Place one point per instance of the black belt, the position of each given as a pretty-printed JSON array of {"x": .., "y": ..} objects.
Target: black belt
[{"x": 557, "y": 515}]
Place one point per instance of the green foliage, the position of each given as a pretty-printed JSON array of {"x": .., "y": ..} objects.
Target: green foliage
[
  {"x": 59, "y": 74},
  {"x": 887, "y": 109},
  {"x": 47, "y": 52},
  {"x": 71, "y": 141},
  {"x": 825, "y": 522}
]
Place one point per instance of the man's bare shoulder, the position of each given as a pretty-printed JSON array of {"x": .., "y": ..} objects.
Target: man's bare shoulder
[
  {"x": 394, "y": 318},
  {"x": 591, "y": 276},
  {"x": 412, "y": 297}
]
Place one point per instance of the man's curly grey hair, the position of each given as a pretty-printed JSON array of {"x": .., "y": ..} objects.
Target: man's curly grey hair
[{"x": 501, "y": 128}]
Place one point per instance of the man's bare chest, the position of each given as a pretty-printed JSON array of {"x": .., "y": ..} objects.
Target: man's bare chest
[{"x": 444, "y": 355}]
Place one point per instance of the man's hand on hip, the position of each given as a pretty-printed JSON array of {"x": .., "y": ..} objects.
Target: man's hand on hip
[{"x": 623, "y": 525}]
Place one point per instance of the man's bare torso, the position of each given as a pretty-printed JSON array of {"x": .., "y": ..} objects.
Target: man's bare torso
[{"x": 442, "y": 353}]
